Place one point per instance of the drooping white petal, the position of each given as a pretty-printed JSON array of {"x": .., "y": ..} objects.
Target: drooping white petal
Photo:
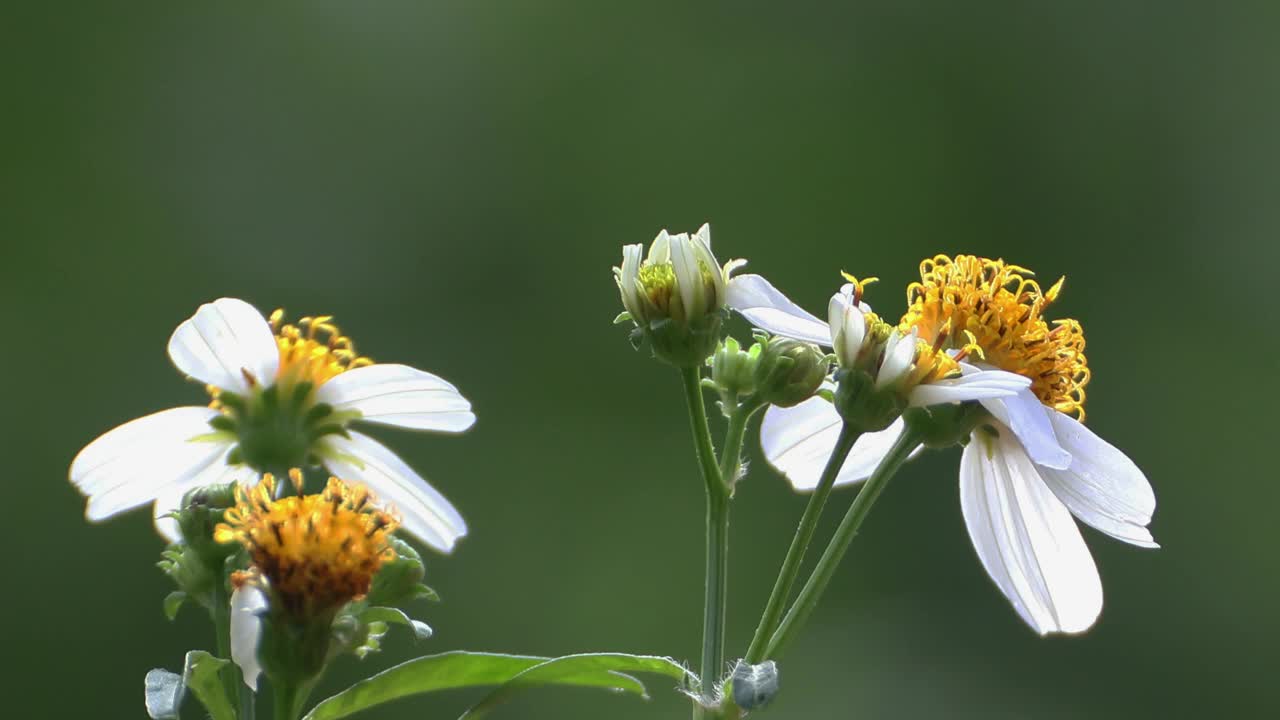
[
  {"x": 225, "y": 340},
  {"x": 1026, "y": 538},
  {"x": 1029, "y": 420},
  {"x": 399, "y": 395},
  {"x": 899, "y": 352},
  {"x": 1102, "y": 487},
  {"x": 248, "y": 602},
  {"x": 423, "y": 511},
  {"x": 981, "y": 385},
  {"x": 768, "y": 309},
  {"x": 798, "y": 442},
  {"x": 131, "y": 464}
]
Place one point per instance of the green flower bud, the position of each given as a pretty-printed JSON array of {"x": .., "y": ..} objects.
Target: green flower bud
[
  {"x": 789, "y": 372},
  {"x": 733, "y": 370},
  {"x": 202, "y": 510},
  {"x": 676, "y": 295}
]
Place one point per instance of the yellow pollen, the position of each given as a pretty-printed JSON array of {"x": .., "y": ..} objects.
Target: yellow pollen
[
  {"x": 320, "y": 551},
  {"x": 994, "y": 310}
]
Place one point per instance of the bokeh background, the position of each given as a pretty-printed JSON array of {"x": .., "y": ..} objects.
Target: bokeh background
[{"x": 454, "y": 181}]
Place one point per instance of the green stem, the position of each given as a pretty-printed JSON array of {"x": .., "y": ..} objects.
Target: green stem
[
  {"x": 289, "y": 699},
  {"x": 800, "y": 545},
  {"x": 717, "y": 491},
  {"x": 830, "y": 560}
]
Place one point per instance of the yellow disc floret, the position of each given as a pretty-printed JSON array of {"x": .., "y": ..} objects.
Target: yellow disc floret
[
  {"x": 314, "y": 350},
  {"x": 318, "y": 552},
  {"x": 996, "y": 310}
]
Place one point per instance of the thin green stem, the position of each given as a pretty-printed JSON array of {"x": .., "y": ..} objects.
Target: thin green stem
[
  {"x": 830, "y": 560},
  {"x": 799, "y": 546},
  {"x": 717, "y": 491}
]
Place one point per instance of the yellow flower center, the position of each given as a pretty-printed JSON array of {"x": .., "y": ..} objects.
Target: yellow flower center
[
  {"x": 318, "y": 551},
  {"x": 997, "y": 310},
  {"x": 314, "y": 350}
]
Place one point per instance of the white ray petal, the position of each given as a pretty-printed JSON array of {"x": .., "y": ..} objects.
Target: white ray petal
[
  {"x": 632, "y": 256},
  {"x": 767, "y": 308},
  {"x": 660, "y": 248},
  {"x": 423, "y": 511},
  {"x": 1029, "y": 420},
  {"x": 684, "y": 263},
  {"x": 399, "y": 395},
  {"x": 223, "y": 341},
  {"x": 982, "y": 385},
  {"x": 1026, "y": 538},
  {"x": 129, "y": 465},
  {"x": 1102, "y": 487},
  {"x": 798, "y": 442},
  {"x": 899, "y": 352},
  {"x": 248, "y": 603}
]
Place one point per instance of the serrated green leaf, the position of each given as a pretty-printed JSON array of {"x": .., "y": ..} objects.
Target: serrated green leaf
[
  {"x": 173, "y": 603},
  {"x": 201, "y": 678},
  {"x": 448, "y": 671},
  {"x": 572, "y": 669},
  {"x": 421, "y": 630},
  {"x": 163, "y": 694}
]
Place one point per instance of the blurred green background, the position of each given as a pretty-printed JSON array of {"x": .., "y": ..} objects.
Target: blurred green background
[{"x": 454, "y": 180}]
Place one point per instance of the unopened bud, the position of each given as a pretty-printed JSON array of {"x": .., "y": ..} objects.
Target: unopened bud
[{"x": 789, "y": 372}]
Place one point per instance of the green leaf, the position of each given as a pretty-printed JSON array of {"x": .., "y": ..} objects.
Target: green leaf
[
  {"x": 453, "y": 670},
  {"x": 201, "y": 678},
  {"x": 583, "y": 669},
  {"x": 164, "y": 692},
  {"x": 421, "y": 631},
  {"x": 173, "y": 603}
]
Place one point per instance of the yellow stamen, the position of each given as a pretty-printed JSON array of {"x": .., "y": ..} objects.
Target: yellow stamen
[
  {"x": 314, "y": 350},
  {"x": 859, "y": 286},
  {"x": 317, "y": 551},
  {"x": 995, "y": 310}
]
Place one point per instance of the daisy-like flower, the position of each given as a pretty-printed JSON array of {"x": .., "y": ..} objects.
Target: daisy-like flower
[
  {"x": 283, "y": 396},
  {"x": 311, "y": 555},
  {"x": 798, "y": 440},
  {"x": 1032, "y": 464},
  {"x": 676, "y": 295}
]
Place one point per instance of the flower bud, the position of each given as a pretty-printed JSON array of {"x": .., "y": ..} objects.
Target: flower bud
[
  {"x": 676, "y": 295},
  {"x": 790, "y": 371},
  {"x": 733, "y": 370},
  {"x": 856, "y": 332}
]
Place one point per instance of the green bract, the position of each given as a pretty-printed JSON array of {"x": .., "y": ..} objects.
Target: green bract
[{"x": 790, "y": 371}]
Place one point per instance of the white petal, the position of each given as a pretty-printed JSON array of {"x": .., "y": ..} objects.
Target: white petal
[
  {"x": 798, "y": 442},
  {"x": 423, "y": 511},
  {"x": 248, "y": 602},
  {"x": 704, "y": 234},
  {"x": 1029, "y": 420},
  {"x": 223, "y": 341},
  {"x": 1026, "y": 538},
  {"x": 1102, "y": 487},
  {"x": 768, "y": 309},
  {"x": 129, "y": 465},
  {"x": 688, "y": 278},
  {"x": 701, "y": 246},
  {"x": 631, "y": 259},
  {"x": 660, "y": 249},
  {"x": 399, "y": 395},
  {"x": 981, "y": 385},
  {"x": 899, "y": 352}
]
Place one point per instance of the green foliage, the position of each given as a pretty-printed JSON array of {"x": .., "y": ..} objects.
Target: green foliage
[
  {"x": 201, "y": 678},
  {"x": 461, "y": 669},
  {"x": 396, "y": 616},
  {"x": 400, "y": 581}
]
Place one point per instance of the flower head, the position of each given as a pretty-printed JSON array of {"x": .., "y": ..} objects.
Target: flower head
[
  {"x": 995, "y": 307},
  {"x": 676, "y": 295},
  {"x": 317, "y": 552},
  {"x": 283, "y": 395}
]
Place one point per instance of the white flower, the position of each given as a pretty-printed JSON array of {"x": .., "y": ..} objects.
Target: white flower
[
  {"x": 284, "y": 396},
  {"x": 680, "y": 279},
  {"x": 1030, "y": 468}
]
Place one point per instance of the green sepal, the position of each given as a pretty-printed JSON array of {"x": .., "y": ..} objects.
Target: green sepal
[
  {"x": 195, "y": 580},
  {"x": 163, "y": 694},
  {"x": 942, "y": 426},
  {"x": 399, "y": 581},
  {"x": 864, "y": 406},
  {"x": 623, "y": 317},
  {"x": 396, "y": 616},
  {"x": 173, "y": 603}
]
